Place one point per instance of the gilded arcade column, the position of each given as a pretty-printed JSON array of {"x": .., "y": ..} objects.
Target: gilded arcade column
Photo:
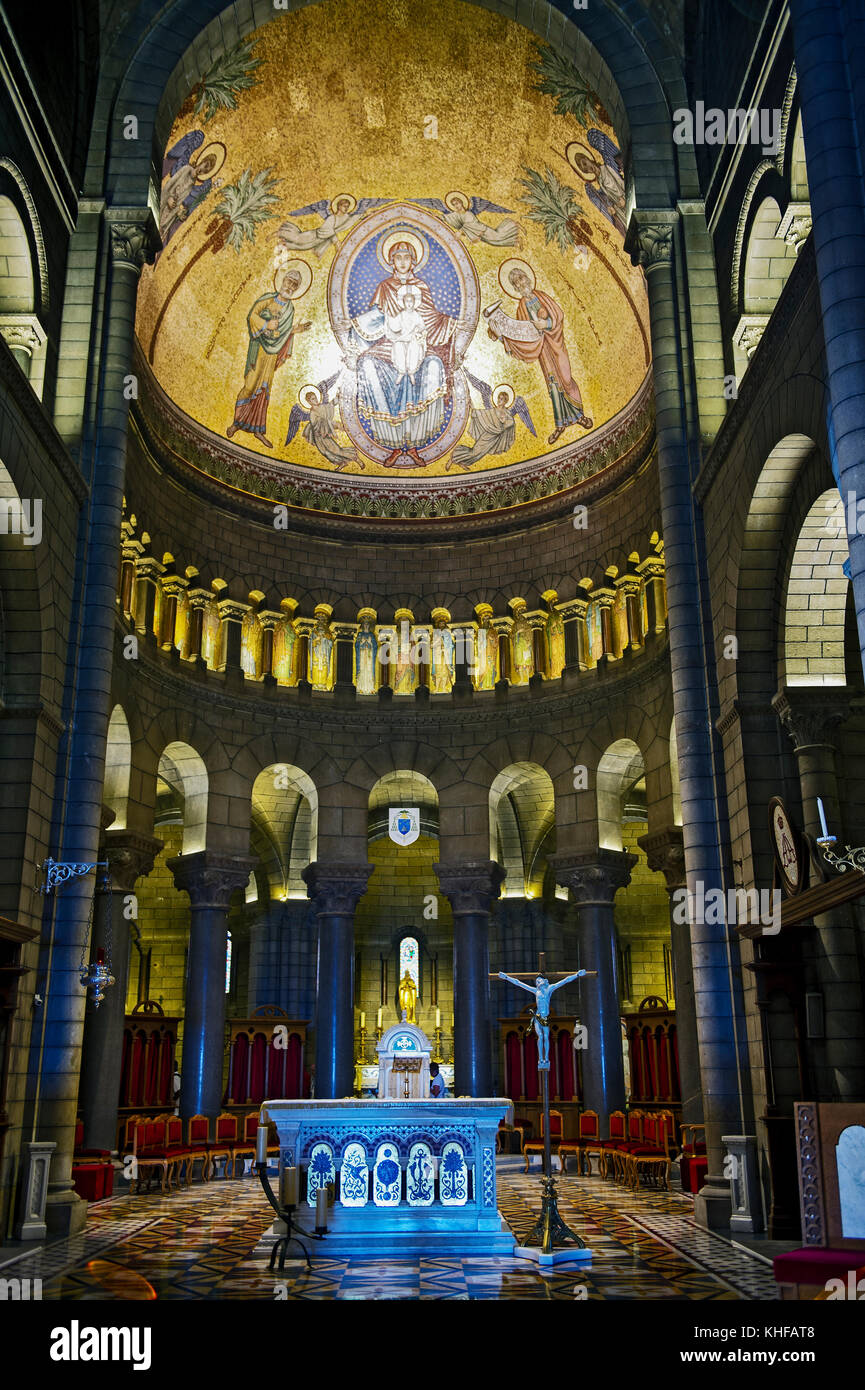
[
  {"x": 130, "y": 857},
  {"x": 471, "y": 888},
  {"x": 336, "y": 890},
  {"x": 593, "y": 879},
  {"x": 808, "y": 714},
  {"x": 665, "y": 852},
  {"x": 209, "y": 879}
]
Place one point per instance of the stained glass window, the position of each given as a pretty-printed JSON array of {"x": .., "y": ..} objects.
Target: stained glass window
[{"x": 409, "y": 960}]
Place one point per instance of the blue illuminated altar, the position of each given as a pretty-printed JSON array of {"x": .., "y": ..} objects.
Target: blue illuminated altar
[{"x": 410, "y": 1177}]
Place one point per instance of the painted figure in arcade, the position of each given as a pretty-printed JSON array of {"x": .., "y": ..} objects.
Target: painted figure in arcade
[
  {"x": 321, "y": 650},
  {"x": 270, "y": 323},
  {"x": 366, "y": 654}
]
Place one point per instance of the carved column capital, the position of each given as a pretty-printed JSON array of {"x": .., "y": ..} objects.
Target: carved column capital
[
  {"x": 210, "y": 878},
  {"x": 665, "y": 852},
  {"x": 650, "y": 238},
  {"x": 134, "y": 237},
  {"x": 471, "y": 887},
  {"x": 594, "y": 876},
  {"x": 130, "y": 856},
  {"x": 808, "y": 714},
  {"x": 336, "y": 888}
]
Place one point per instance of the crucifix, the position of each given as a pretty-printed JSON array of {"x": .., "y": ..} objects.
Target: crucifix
[{"x": 549, "y": 1225}]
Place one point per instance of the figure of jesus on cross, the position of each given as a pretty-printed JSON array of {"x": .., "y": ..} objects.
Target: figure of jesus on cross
[
  {"x": 549, "y": 1229},
  {"x": 543, "y": 991}
]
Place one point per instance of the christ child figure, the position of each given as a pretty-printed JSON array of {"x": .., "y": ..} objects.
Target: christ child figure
[{"x": 406, "y": 332}]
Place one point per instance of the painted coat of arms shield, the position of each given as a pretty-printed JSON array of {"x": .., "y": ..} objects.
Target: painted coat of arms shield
[{"x": 404, "y": 824}]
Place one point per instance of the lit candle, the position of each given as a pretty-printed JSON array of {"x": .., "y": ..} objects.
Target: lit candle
[
  {"x": 362, "y": 1019},
  {"x": 822, "y": 814},
  {"x": 261, "y": 1144},
  {"x": 379, "y": 1017},
  {"x": 438, "y": 1018}
]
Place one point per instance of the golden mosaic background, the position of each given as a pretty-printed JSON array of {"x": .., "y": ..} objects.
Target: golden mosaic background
[{"x": 342, "y": 98}]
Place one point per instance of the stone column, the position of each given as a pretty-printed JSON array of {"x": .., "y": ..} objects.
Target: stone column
[
  {"x": 231, "y": 616},
  {"x": 576, "y": 636},
  {"x": 209, "y": 879},
  {"x": 630, "y": 583},
  {"x": 130, "y": 857},
  {"x": 808, "y": 714},
  {"x": 55, "y": 1054},
  {"x": 471, "y": 888},
  {"x": 652, "y": 241},
  {"x": 173, "y": 589},
  {"x": 148, "y": 572},
  {"x": 831, "y": 89},
  {"x": 344, "y": 635},
  {"x": 593, "y": 879},
  {"x": 502, "y": 628},
  {"x": 652, "y": 571},
  {"x": 665, "y": 853},
  {"x": 199, "y": 600},
  {"x": 606, "y": 598},
  {"x": 269, "y": 620},
  {"x": 335, "y": 889}
]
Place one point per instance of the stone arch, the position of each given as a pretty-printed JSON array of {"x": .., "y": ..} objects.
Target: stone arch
[
  {"x": 522, "y": 816},
  {"x": 759, "y": 600},
  {"x": 620, "y": 768},
  {"x": 184, "y": 775},
  {"x": 623, "y": 55},
  {"x": 118, "y": 767},
  {"x": 23, "y": 294},
  {"x": 798, "y": 166},
  {"x": 768, "y": 260},
  {"x": 284, "y": 833},
  {"x": 816, "y": 597}
]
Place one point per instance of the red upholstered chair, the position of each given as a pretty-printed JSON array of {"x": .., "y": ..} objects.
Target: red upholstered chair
[
  {"x": 224, "y": 1143},
  {"x": 693, "y": 1164},
  {"x": 198, "y": 1144},
  {"x": 178, "y": 1155},
  {"x": 149, "y": 1150},
  {"x": 588, "y": 1134},
  {"x": 92, "y": 1169},
  {"x": 247, "y": 1146},
  {"x": 536, "y": 1146},
  {"x": 608, "y": 1149},
  {"x": 804, "y": 1273},
  {"x": 651, "y": 1158}
]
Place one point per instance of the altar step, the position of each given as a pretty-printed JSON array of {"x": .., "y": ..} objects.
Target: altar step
[{"x": 396, "y": 1233}]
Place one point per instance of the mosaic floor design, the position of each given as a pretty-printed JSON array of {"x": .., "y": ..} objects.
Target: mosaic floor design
[{"x": 198, "y": 1244}]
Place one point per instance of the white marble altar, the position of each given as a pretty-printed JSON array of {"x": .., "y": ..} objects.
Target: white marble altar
[{"x": 410, "y": 1177}]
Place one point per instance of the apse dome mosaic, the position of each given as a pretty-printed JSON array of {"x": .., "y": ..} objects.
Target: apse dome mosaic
[{"x": 432, "y": 313}]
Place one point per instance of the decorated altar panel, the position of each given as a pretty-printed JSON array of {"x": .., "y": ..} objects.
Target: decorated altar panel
[{"x": 409, "y": 1176}]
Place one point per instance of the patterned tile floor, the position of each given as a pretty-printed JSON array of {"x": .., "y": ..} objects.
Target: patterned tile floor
[{"x": 198, "y": 1245}]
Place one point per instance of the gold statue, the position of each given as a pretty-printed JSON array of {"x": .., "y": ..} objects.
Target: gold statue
[{"x": 408, "y": 998}]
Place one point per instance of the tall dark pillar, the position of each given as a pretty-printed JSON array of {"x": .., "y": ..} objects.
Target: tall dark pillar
[
  {"x": 129, "y": 857},
  {"x": 77, "y": 811},
  {"x": 471, "y": 889},
  {"x": 209, "y": 879},
  {"x": 593, "y": 879},
  {"x": 827, "y": 45},
  {"x": 654, "y": 243},
  {"x": 335, "y": 890},
  {"x": 665, "y": 852}
]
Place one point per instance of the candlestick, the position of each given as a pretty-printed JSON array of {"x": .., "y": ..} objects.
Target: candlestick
[
  {"x": 825, "y": 838},
  {"x": 362, "y": 1020},
  {"x": 438, "y": 1018},
  {"x": 261, "y": 1144},
  {"x": 379, "y": 1017}
]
